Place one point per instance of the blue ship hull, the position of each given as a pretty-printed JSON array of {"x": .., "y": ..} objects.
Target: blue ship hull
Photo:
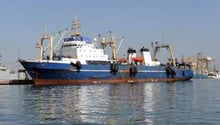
[
  {"x": 200, "y": 76},
  {"x": 65, "y": 73}
]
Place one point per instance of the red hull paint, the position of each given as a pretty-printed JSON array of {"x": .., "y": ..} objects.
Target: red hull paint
[{"x": 99, "y": 81}]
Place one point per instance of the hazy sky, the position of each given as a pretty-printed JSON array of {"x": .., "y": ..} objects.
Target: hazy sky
[{"x": 190, "y": 26}]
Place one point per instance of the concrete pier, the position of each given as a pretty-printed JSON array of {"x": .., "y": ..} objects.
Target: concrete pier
[{"x": 16, "y": 82}]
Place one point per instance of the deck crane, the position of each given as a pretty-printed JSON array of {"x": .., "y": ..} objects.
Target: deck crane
[
  {"x": 60, "y": 39},
  {"x": 111, "y": 43},
  {"x": 158, "y": 47},
  {"x": 40, "y": 46}
]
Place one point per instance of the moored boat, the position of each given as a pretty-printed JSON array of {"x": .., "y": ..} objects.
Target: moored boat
[
  {"x": 81, "y": 62},
  {"x": 213, "y": 75},
  {"x": 203, "y": 66},
  {"x": 7, "y": 75}
]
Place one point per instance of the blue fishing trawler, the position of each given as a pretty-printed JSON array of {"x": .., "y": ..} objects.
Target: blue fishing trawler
[{"x": 81, "y": 62}]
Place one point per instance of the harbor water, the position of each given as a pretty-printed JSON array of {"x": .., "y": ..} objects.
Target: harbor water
[{"x": 194, "y": 102}]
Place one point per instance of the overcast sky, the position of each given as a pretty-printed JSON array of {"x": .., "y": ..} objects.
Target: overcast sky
[{"x": 190, "y": 26}]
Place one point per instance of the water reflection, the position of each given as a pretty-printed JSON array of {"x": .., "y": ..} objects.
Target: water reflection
[
  {"x": 114, "y": 104},
  {"x": 101, "y": 104},
  {"x": 98, "y": 104}
]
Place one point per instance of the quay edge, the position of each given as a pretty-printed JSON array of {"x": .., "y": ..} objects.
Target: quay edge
[{"x": 16, "y": 82}]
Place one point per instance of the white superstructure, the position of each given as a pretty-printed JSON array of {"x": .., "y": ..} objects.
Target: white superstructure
[{"x": 82, "y": 48}]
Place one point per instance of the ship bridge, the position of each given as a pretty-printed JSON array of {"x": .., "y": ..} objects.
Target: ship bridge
[
  {"x": 82, "y": 48},
  {"x": 78, "y": 38}
]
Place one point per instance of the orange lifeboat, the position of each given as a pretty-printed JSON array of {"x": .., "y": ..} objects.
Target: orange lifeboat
[
  {"x": 122, "y": 60},
  {"x": 138, "y": 59}
]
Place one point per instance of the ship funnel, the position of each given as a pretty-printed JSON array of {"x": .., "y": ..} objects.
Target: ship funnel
[
  {"x": 146, "y": 54},
  {"x": 131, "y": 53}
]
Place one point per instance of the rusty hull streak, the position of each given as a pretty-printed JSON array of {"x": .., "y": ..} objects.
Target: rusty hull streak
[{"x": 101, "y": 81}]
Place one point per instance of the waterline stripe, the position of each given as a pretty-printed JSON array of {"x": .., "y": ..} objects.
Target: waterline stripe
[{"x": 122, "y": 70}]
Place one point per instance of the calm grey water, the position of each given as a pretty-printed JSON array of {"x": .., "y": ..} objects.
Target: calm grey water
[{"x": 193, "y": 102}]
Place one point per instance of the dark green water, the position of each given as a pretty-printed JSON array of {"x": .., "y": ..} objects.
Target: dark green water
[{"x": 193, "y": 102}]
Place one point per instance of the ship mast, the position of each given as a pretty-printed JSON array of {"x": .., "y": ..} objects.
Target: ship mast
[
  {"x": 76, "y": 26},
  {"x": 113, "y": 46},
  {"x": 111, "y": 43}
]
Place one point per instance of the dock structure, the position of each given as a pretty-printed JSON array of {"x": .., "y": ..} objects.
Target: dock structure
[
  {"x": 16, "y": 82},
  {"x": 19, "y": 80}
]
